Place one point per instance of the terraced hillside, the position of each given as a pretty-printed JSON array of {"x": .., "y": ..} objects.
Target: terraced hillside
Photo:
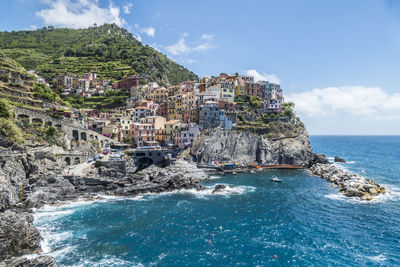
[
  {"x": 108, "y": 50},
  {"x": 15, "y": 83},
  {"x": 21, "y": 88}
]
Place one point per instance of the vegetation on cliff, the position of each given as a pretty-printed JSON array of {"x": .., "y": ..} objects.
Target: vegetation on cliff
[
  {"x": 252, "y": 117},
  {"x": 110, "y": 51},
  {"x": 109, "y": 101}
]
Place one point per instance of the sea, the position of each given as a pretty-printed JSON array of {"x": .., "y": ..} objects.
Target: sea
[{"x": 303, "y": 221}]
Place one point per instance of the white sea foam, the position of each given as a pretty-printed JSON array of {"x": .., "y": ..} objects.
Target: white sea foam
[
  {"x": 214, "y": 177},
  {"x": 394, "y": 195},
  {"x": 377, "y": 258},
  {"x": 228, "y": 191},
  {"x": 108, "y": 261},
  {"x": 52, "y": 214}
]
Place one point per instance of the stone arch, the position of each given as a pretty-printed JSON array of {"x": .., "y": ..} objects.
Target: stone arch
[
  {"x": 83, "y": 136},
  {"x": 102, "y": 143},
  {"x": 75, "y": 135},
  {"x": 23, "y": 116},
  {"x": 77, "y": 160},
  {"x": 67, "y": 161},
  {"x": 91, "y": 136},
  {"x": 37, "y": 120}
]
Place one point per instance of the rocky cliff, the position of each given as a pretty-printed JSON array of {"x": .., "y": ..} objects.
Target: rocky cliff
[
  {"x": 30, "y": 179},
  {"x": 247, "y": 146}
]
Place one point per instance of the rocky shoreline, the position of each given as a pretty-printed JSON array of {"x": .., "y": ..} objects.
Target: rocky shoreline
[
  {"x": 30, "y": 180},
  {"x": 350, "y": 184}
]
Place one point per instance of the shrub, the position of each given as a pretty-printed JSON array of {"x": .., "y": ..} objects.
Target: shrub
[
  {"x": 10, "y": 130},
  {"x": 4, "y": 113},
  {"x": 44, "y": 92}
]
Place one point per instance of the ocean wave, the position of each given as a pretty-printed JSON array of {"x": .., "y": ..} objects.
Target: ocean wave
[
  {"x": 109, "y": 261},
  {"x": 52, "y": 214},
  {"x": 228, "y": 191},
  {"x": 377, "y": 258}
]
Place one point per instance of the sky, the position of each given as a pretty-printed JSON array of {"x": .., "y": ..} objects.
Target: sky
[{"x": 339, "y": 61}]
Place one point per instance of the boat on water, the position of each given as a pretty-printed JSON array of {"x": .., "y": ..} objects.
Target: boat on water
[
  {"x": 276, "y": 179},
  {"x": 252, "y": 171}
]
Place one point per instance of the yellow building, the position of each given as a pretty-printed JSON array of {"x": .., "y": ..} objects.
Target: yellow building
[
  {"x": 171, "y": 127},
  {"x": 227, "y": 91},
  {"x": 158, "y": 123}
]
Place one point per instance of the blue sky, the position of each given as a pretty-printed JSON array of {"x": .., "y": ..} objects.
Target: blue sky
[{"x": 337, "y": 60}]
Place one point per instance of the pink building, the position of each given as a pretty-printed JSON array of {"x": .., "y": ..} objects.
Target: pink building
[
  {"x": 143, "y": 134},
  {"x": 188, "y": 132}
]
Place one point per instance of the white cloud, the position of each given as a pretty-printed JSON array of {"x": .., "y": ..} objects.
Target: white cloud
[
  {"x": 262, "y": 76},
  {"x": 179, "y": 48},
  {"x": 355, "y": 101},
  {"x": 127, "y": 8},
  {"x": 190, "y": 60},
  {"x": 138, "y": 37},
  {"x": 203, "y": 47},
  {"x": 31, "y": 28},
  {"x": 150, "y": 31},
  {"x": 79, "y": 13},
  {"x": 207, "y": 37},
  {"x": 156, "y": 47}
]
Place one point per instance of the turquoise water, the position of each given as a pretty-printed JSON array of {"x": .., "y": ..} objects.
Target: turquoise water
[{"x": 303, "y": 220}]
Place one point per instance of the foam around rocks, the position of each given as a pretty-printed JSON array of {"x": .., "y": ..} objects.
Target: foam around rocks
[{"x": 349, "y": 183}]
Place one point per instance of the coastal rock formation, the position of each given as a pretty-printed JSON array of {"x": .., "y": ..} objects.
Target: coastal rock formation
[
  {"x": 219, "y": 188},
  {"x": 339, "y": 159},
  {"x": 18, "y": 236},
  {"x": 179, "y": 175},
  {"x": 245, "y": 147},
  {"x": 13, "y": 172},
  {"x": 350, "y": 184},
  {"x": 43, "y": 261}
]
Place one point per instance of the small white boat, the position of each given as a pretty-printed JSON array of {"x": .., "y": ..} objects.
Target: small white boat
[
  {"x": 276, "y": 179},
  {"x": 234, "y": 173},
  {"x": 252, "y": 171}
]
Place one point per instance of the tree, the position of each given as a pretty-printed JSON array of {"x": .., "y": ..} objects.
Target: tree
[{"x": 127, "y": 140}]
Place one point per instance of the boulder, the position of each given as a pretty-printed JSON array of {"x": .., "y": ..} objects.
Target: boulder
[
  {"x": 219, "y": 188},
  {"x": 338, "y": 159}
]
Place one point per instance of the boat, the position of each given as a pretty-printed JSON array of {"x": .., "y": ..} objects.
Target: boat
[
  {"x": 276, "y": 179},
  {"x": 234, "y": 173},
  {"x": 252, "y": 171}
]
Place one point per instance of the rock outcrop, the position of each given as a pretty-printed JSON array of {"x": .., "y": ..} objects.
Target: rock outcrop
[
  {"x": 339, "y": 159},
  {"x": 350, "y": 184},
  {"x": 18, "y": 236},
  {"x": 246, "y": 147},
  {"x": 43, "y": 261},
  {"x": 179, "y": 175}
]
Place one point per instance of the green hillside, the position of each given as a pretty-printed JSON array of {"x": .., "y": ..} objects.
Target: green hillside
[
  {"x": 19, "y": 87},
  {"x": 108, "y": 50}
]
